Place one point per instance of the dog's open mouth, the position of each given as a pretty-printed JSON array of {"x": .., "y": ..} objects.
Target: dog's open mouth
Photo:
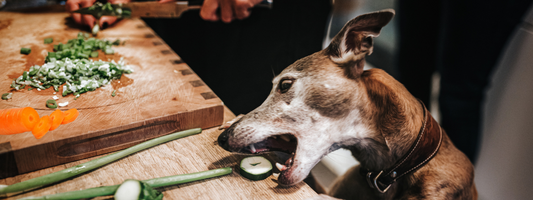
[{"x": 286, "y": 143}]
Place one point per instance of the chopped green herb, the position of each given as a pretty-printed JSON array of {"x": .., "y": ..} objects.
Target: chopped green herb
[
  {"x": 7, "y": 96},
  {"x": 114, "y": 93},
  {"x": 48, "y": 40},
  {"x": 95, "y": 29},
  {"x": 50, "y": 103},
  {"x": 25, "y": 51},
  {"x": 68, "y": 67},
  {"x": 109, "y": 51}
]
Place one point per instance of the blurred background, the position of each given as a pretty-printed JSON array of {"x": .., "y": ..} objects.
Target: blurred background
[{"x": 505, "y": 151}]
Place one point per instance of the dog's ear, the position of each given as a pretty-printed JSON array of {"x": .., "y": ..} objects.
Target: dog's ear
[{"x": 349, "y": 47}]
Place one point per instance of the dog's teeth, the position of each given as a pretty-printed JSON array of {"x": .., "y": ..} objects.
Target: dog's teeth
[
  {"x": 285, "y": 137},
  {"x": 252, "y": 148},
  {"x": 281, "y": 167},
  {"x": 276, "y": 175}
]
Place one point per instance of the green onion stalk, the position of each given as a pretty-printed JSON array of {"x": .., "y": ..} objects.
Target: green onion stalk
[
  {"x": 156, "y": 182},
  {"x": 93, "y": 164}
]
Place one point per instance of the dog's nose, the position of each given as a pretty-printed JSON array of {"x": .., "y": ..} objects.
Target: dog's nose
[{"x": 223, "y": 140}]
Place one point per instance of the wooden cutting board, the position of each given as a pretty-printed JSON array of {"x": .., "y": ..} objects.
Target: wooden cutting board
[{"x": 161, "y": 96}]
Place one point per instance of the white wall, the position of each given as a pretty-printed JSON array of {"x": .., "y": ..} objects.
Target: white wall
[{"x": 503, "y": 170}]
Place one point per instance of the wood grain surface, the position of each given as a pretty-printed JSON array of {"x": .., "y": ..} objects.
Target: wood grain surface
[
  {"x": 191, "y": 154},
  {"x": 163, "y": 95}
]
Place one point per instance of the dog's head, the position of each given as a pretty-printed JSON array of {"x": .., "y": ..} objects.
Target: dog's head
[{"x": 315, "y": 104}]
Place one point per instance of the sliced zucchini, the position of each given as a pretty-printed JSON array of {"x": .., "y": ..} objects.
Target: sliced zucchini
[
  {"x": 256, "y": 168},
  {"x": 136, "y": 190}
]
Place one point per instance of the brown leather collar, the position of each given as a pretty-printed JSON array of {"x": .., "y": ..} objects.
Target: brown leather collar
[{"x": 424, "y": 148}]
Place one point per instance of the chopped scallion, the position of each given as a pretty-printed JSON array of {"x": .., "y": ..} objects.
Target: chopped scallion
[
  {"x": 48, "y": 40},
  {"x": 25, "y": 51}
]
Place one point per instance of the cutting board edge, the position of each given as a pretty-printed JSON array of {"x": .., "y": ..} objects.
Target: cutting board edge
[{"x": 186, "y": 121}]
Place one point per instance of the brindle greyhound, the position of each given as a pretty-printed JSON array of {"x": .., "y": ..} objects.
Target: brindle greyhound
[{"x": 326, "y": 101}]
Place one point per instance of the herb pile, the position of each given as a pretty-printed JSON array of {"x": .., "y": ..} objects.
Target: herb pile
[
  {"x": 99, "y": 9},
  {"x": 69, "y": 66}
]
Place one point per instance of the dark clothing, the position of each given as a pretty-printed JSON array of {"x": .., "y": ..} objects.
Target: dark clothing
[
  {"x": 239, "y": 60},
  {"x": 463, "y": 40}
]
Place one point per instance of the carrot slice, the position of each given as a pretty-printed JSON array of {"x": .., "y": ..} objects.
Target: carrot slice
[
  {"x": 70, "y": 116},
  {"x": 42, "y": 127},
  {"x": 57, "y": 118},
  {"x": 29, "y": 118},
  {"x": 17, "y": 120}
]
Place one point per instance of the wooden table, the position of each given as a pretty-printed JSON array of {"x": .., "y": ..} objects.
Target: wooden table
[{"x": 191, "y": 154}]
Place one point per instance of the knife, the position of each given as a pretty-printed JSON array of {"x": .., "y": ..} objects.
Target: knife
[{"x": 149, "y": 9}]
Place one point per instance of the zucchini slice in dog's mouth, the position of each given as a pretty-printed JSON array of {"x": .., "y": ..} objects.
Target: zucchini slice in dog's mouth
[{"x": 286, "y": 143}]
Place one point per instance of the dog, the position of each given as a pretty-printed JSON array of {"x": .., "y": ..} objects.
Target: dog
[{"x": 327, "y": 101}]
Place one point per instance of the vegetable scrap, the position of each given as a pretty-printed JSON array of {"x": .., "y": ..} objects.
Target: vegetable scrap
[
  {"x": 42, "y": 127},
  {"x": 70, "y": 116},
  {"x": 154, "y": 183},
  {"x": 68, "y": 66},
  {"x": 255, "y": 168},
  {"x": 51, "y": 103},
  {"x": 25, "y": 51},
  {"x": 18, "y": 120},
  {"x": 48, "y": 40},
  {"x": 57, "y": 118},
  {"x": 134, "y": 189},
  {"x": 99, "y": 162},
  {"x": 7, "y": 96},
  {"x": 99, "y": 9}
]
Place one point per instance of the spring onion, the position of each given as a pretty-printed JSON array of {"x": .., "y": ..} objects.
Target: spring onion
[
  {"x": 156, "y": 182},
  {"x": 50, "y": 103},
  {"x": 99, "y": 9},
  {"x": 69, "y": 68},
  {"x": 7, "y": 96},
  {"x": 114, "y": 93},
  {"x": 95, "y": 29},
  {"x": 25, "y": 51},
  {"x": 48, "y": 40},
  {"x": 93, "y": 164}
]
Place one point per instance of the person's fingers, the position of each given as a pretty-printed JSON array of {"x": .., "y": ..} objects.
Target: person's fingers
[
  {"x": 77, "y": 18},
  {"x": 72, "y": 6},
  {"x": 106, "y": 21},
  {"x": 166, "y": 1},
  {"x": 226, "y": 11},
  {"x": 242, "y": 8},
  {"x": 89, "y": 20},
  {"x": 209, "y": 10},
  {"x": 124, "y": 1}
]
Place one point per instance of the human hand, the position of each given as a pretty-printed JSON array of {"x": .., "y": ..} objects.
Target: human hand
[
  {"x": 89, "y": 20},
  {"x": 229, "y": 9}
]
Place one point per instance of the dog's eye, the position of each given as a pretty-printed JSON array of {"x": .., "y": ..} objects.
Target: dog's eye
[{"x": 285, "y": 85}]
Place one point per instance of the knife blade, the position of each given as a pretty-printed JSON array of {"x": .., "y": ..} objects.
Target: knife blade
[{"x": 149, "y": 9}]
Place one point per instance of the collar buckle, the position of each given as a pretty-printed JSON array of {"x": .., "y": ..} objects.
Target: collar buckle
[{"x": 373, "y": 182}]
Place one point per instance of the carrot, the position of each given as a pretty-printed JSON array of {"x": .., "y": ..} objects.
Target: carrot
[
  {"x": 70, "y": 116},
  {"x": 57, "y": 118},
  {"x": 17, "y": 120},
  {"x": 42, "y": 127}
]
